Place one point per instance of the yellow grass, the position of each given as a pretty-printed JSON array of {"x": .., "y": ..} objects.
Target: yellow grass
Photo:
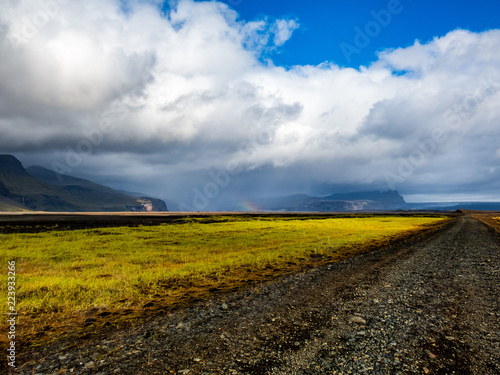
[
  {"x": 83, "y": 268},
  {"x": 63, "y": 273}
]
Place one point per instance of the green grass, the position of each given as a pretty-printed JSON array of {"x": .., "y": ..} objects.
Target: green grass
[
  {"x": 73, "y": 271},
  {"x": 5, "y": 207}
]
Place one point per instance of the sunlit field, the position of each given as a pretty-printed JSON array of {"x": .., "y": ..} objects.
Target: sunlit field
[{"x": 65, "y": 274}]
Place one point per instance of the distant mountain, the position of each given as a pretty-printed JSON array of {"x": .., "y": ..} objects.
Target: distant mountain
[
  {"x": 390, "y": 199},
  {"x": 41, "y": 189},
  {"x": 363, "y": 201}
]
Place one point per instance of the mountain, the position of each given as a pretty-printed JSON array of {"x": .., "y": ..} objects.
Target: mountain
[
  {"x": 8, "y": 205},
  {"x": 17, "y": 185},
  {"x": 363, "y": 201},
  {"x": 41, "y": 189},
  {"x": 50, "y": 177},
  {"x": 390, "y": 199}
]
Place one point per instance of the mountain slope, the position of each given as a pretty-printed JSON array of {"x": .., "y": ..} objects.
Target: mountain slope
[
  {"x": 8, "y": 205},
  {"x": 87, "y": 191},
  {"x": 19, "y": 186},
  {"x": 50, "y": 177},
  {"x": 83, "y": 192},
  {"x": 43, "y": 190}
]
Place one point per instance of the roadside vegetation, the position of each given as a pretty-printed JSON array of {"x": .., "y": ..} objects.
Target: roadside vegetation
[
  {"x": 63, "y": 277},
  {"x": 490, "y": 218}
]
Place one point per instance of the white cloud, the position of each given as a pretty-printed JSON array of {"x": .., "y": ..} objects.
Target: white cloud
[
  {"x": 186, "y": 90},
  {"x": 283, "y": 31}
]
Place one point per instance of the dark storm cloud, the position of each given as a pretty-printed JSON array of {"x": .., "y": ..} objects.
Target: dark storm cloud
[{"x": 136, "y": 98}]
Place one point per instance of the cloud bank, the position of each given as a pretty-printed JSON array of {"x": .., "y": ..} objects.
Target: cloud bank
[{"x": 164, "y": 101}]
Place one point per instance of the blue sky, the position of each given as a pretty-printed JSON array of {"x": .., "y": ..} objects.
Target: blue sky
[
  {"x": 258, "y": 98},
  {"x": 326, "y": 24}
]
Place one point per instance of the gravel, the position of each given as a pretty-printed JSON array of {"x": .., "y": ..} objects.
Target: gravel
[{"x": 427, "y": 307}]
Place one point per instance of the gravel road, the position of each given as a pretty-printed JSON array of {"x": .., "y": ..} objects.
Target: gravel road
[{"x": 427, "y": 307}]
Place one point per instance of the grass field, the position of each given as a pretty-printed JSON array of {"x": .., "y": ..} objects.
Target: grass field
[
  {"x": 62, "y": 276},
  {"x": 491, "y": 218}
]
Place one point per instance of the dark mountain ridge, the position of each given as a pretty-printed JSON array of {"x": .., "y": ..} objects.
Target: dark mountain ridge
[{"x": 41, "y": 189}]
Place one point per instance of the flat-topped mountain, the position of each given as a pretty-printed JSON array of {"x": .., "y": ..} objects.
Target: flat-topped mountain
[
  {"x": 40, "y": 189},
  {"x": 344, "y": 202},
  {"x": 389, "y": 199}
]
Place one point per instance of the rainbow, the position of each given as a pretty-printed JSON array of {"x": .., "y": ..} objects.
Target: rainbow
[{"x": 248, "y": 205}]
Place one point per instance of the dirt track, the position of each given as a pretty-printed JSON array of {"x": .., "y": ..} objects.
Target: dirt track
[{"x": 429, "y": 307}]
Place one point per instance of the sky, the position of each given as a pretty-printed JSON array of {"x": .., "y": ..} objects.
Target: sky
[{"x": 206, "y": 102}]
